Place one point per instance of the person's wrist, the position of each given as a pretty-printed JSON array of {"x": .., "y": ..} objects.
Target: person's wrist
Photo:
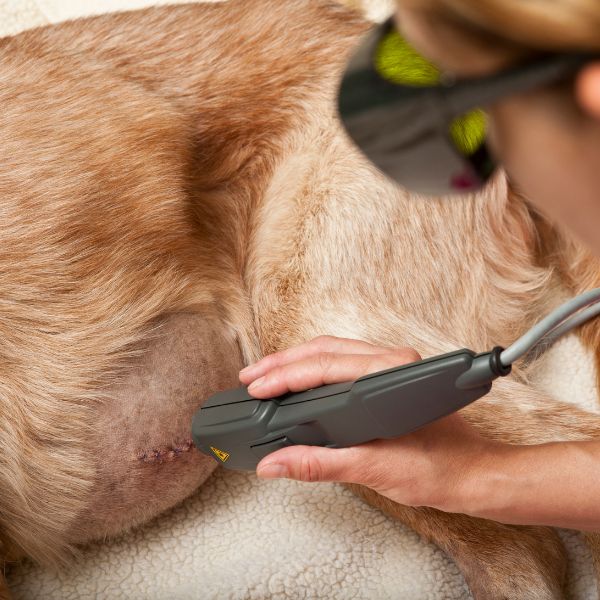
[
  {"x": 487, "y": 482},
  {"x": 538, "y": 484}
]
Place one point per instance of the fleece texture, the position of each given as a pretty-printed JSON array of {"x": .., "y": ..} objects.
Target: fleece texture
[{"x": 241, "y": 538}]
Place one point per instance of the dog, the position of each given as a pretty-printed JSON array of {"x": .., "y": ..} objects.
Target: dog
[{"x": 179, "y": 199}]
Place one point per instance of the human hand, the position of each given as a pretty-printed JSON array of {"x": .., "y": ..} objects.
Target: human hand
[{"x": 428, "y": 467}]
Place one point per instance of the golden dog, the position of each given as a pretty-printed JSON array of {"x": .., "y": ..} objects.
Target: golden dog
[{"x": 179, "y": 199}]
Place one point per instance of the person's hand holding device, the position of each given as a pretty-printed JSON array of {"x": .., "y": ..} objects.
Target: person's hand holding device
[{"x": 430, "y": 466}]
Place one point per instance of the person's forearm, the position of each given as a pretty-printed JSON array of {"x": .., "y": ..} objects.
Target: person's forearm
[{"x": 549, "y": 484}]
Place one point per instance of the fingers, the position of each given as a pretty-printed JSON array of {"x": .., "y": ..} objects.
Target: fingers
[
  {"x": 313, "y": 463},
  {"x": 320, "y": 369},
  {"x": 321, "y": 361},
  {"x": 367, "y": 464},
  {"x": 322, "y": 343}
]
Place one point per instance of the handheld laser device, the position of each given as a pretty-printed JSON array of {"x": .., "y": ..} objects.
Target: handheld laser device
[{"x": 239, "y": 430}]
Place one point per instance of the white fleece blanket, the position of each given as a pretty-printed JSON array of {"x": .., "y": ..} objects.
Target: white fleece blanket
[{"x": 241, "y": 538}]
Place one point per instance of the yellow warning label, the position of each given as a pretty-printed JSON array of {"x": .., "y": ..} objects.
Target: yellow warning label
[{"x": 220, "y": 454}]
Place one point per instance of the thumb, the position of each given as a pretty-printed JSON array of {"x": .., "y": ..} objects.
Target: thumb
[{"x": 312, "y": 463}]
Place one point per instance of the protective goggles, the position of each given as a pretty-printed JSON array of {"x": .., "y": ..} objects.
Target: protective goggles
[{"x": 422, "y": 129}]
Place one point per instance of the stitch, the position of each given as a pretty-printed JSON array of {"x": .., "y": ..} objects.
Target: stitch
[{"x": 164, "y": 453}]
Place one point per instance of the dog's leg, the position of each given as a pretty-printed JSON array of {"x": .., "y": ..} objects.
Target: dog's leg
[
  {"x": 593, "y": 541},
  {"x": 145, "y": 458},
  {"x": 4, "y": 591}
]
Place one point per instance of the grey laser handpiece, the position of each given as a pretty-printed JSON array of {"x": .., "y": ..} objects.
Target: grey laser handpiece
[{"x": 239, "y": 430}]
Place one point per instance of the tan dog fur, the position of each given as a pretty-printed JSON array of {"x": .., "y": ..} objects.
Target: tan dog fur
[{"x": 178, "y": 199}]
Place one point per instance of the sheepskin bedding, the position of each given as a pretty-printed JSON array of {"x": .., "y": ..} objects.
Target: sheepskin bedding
[{"x": 239, "y": 537}]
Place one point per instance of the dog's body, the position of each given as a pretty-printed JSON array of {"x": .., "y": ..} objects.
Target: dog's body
[{"x": 178, "y": 199}]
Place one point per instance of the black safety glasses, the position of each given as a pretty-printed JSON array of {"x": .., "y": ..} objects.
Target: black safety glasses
[{"x": 420, "y": 128}]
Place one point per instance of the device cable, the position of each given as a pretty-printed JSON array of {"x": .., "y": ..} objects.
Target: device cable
[{"x": 560, "y": 321}]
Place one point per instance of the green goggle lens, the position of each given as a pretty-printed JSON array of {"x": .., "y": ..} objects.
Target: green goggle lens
[
  {"x": 468, "y": 132},
  {"x": 398, "y": 62}
]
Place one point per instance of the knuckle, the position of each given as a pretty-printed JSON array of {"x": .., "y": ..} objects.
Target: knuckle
[
  {"x": 356, "y": 466},
  {"x": 275, "y": 376},
  {"x": 324, "y": 361},
  {"x": 371, "y": 469},
  {"x": 270, "y": 361},
  {"x": 310, "y": 468},
  {"x": 375, "y": 478},
  {"x": 368, "y": 474}
]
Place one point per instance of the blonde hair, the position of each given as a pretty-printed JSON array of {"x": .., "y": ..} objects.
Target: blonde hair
[{"x": 539, "y": 24}]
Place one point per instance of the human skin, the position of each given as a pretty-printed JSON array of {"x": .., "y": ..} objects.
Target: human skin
[{"x": 448, "y": 465}]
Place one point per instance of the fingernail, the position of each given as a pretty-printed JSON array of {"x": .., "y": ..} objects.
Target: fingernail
[
  {"x": 246, "y": 369},
  {"x": 272, "y": 471},
  {"x": 256, "y": 383}
]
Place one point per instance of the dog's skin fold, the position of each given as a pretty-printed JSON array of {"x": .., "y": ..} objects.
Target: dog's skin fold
[{"x": 178, "y": 199}]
